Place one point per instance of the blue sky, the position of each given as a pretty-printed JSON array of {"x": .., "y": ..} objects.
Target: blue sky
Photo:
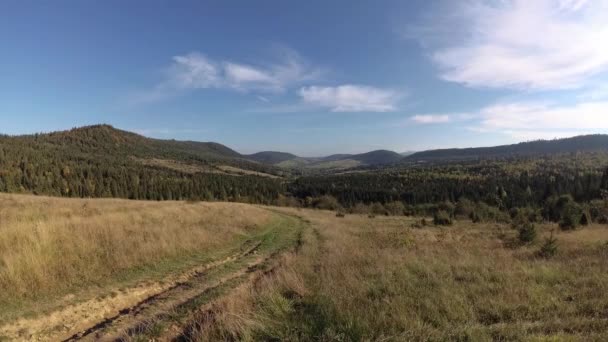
[{"x": 309, "y": 77}]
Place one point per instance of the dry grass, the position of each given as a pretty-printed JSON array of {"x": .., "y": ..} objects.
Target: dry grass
[
  {"x": 361, "y": 279},
  {"x": 51, "y": 246},
  {"x": 197, "y": 168}
]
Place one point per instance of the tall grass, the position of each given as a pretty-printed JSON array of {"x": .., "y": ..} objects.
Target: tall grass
[
  {"x": 357, "y": 279},
  {"x": 50, "y": 246}
]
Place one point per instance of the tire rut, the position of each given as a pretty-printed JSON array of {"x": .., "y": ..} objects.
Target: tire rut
[{"x": 178, "y": 294}]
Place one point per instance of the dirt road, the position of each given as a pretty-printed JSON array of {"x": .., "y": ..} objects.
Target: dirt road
[{"x": 151, "y": 310}]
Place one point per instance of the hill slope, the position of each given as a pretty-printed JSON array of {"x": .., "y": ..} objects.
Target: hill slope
[
  {"x": 583, "y": 143},
  {"x": 102, "y": 161},
  {"x": 334, "y": 161},
  {"x": 271, "y": 157}
]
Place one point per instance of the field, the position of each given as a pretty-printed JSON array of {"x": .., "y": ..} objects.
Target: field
[{"x": 86, "y": 269}]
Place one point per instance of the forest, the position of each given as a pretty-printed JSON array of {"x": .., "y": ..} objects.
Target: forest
[{"x": 100, "y": 161}]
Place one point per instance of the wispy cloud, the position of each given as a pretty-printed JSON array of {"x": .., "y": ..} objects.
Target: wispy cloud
[
  {"x": 538, "y": 116},
  {"x": 431, "y": 118},
  {"x": 350, "y": 98},
  {"x": 196, "y": 70},
  {"x": 530, "y": 120},
  {"x": 522, "y": 44}
]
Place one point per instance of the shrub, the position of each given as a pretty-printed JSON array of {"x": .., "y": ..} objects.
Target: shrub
[
  {"x": 360, "y": 208},
  {"x": 525, "y": 214},
  {"x": 395, "y": 208},
  {"x": 326, "y": 202},
  {"x": 448, "y": 207},
  {"x": 340, "y": 214},
  {"x": 585, "y": 218},
  {"x": 474, "y": 216},
  {"x": 598, "y": 211},
  {"x": 371, "y": 216},
  {"x": 549, "y": 248},
  {"x": 442, "y": 218},
  {"x": 287, "y": 201},
  {"x": 464, "y": 208},
  {"x": 378, "y": 209},
  {"x": 486, "y": 213},
  {"x": 527, "y": 232},
  {"x": 571, "y": 216}
]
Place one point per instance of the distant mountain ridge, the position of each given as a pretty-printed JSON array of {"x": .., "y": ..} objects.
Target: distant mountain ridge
[
  {"x": 271, "y": 157},
  {"x": 581, "y": 143},
  {"x": 334, "y": 161}
]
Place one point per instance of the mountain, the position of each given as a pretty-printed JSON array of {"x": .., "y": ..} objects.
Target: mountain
[
  {"x": 271, "y": 157},
  {"x": 104, "y": 142},
  {"x": 378, "y": 157},
  {"x": 582, "y": 143},
  {"x": 331, "y": 162},
  {"x": 102, "y": 161},
  {"x": 335, "y": 157}
]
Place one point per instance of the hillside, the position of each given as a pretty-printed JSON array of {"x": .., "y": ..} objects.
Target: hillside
[
  {"x": 102, "y": 161},
  {"x": 271, "y": 157},
  {"x": 331, "y": 162},
  {"x": 583, "y": 143},
  {"x": 377, "y": 157}
]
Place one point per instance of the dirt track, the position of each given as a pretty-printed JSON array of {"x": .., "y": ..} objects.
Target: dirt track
[{"x": 143, "y": 308}]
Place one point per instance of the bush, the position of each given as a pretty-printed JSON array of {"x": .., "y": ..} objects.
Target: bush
[
  {"x": 474, "y": 216},
  {"x": 287, "y": 201},
  {"x": 571, "y": 216},
  {"x": 464, "y": 208},
  {"x": 585, "y": 218},
  {"x": 371, "y": 216},
  {"x": 340, "y": 214},
  {"x": 326, "y": 202},
  {"x": 395, "y": 208},
  {"x": 549, "y": 248},
  {"x": 598, "y": 211},
  {"x": 486, "y": 213},
  {"x": 378, "y": 209},
  {"x": 448, "y": 207},
  {"x": 527, "y": 232},
  {"x": 360, "y": 208},
  {"x": 525, "y": 214},
  {"x": 442, "y": 218}
]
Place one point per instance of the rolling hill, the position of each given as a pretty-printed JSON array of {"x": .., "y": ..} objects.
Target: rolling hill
[
  {"x": 271, "y": 157},
  {"x": 331, "y": 162},
  {"x": 102, "y": 161},
  {"x": 582, "y": 143}
]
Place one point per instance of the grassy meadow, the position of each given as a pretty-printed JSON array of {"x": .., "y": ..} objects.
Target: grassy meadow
[
  {"x": 382, "y": 279},
  {"x": 52, "y": 247},
  {"x": 352, "y": 278}
]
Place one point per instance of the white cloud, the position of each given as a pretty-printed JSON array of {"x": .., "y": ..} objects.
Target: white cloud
[
  {"x": 350, "y": 98},
  {"x": 530, "y": 120},
  {"x": 197, "y": 71},
  {"x": 537, "y": 116},
  {"x": 431, "y": 118},
  {"x": 545, "y": 135},
  {"x": 523, "y": 44}
]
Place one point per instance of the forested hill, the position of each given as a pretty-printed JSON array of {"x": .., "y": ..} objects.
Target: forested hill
[
  {"x": 101, "y": 161},
  {"x": 271, "y": 157},
  {"x": 583, "y": 143},
  {"x": 377, "y": 157},
  {"x": 107, "y": 139},
  {"x": 333, "y": 162}
]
